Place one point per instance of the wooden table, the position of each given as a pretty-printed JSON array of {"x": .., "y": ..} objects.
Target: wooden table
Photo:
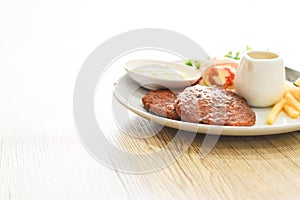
[
  {"x": 52, "y": 164},
  {"x": 41, "y": 156}
]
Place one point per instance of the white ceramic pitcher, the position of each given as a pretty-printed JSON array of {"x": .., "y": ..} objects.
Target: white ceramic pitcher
[{"x": 260, "y": 78}]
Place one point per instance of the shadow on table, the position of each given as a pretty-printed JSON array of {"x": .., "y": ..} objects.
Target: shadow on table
[{"x": 277, "y": 146}]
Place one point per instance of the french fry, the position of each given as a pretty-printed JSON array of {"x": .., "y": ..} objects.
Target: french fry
[
  {"x": 277, "y": 108},
  {"x": 293, "y": 90},
  {"x": 290, "y": 100},
  {"x": 297, "y": 82},
  {"x": 286, "y": 89},
  {"x": 290, "y": 111},
  {"x": 290, "y": 103}
]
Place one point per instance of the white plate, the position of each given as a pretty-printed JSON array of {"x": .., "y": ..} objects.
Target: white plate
[{"x": 129, "y": 94}]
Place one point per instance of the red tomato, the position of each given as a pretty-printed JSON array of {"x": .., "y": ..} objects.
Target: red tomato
[{"x": 221, "y": 74}]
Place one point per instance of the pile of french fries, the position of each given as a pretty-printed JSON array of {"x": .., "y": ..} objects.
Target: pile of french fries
[{"x": 289, "y": 103}]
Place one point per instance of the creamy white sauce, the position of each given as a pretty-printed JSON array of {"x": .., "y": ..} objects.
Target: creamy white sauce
[{"x": 160, "y": 71}]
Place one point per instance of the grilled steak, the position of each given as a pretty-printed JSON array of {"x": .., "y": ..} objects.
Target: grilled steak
[
  {"x": 212, "y": 105},
  {"x": 161, "y": 103}
]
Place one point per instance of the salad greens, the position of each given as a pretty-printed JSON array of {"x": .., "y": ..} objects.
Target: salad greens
[
  {"x": 193, "y": 63},
  {"x": 236, "y": 56},
  {"x": 230, "y": 54},
  {"x": 189, "y": 63}
]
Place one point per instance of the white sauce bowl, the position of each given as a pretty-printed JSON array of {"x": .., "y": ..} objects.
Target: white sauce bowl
[{"x": 154, "y": 74}]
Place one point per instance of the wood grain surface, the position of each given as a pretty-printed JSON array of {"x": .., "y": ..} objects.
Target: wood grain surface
[{"x": 52, "y": 164}]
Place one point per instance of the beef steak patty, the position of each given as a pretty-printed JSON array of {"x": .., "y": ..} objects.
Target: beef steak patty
[
  {"x": 212, "y": 105},
  {"x": 161, "y": 103}
]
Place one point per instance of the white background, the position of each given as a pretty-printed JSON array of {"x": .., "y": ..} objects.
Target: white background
[{"x": 64, "y": 30}]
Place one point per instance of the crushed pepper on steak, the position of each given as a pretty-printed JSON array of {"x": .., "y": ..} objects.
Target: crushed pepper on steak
[
  {"x": 213, "y": 105},
  {"x": 161, "y": 103},
  {"x": 201, "y": 104}
]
